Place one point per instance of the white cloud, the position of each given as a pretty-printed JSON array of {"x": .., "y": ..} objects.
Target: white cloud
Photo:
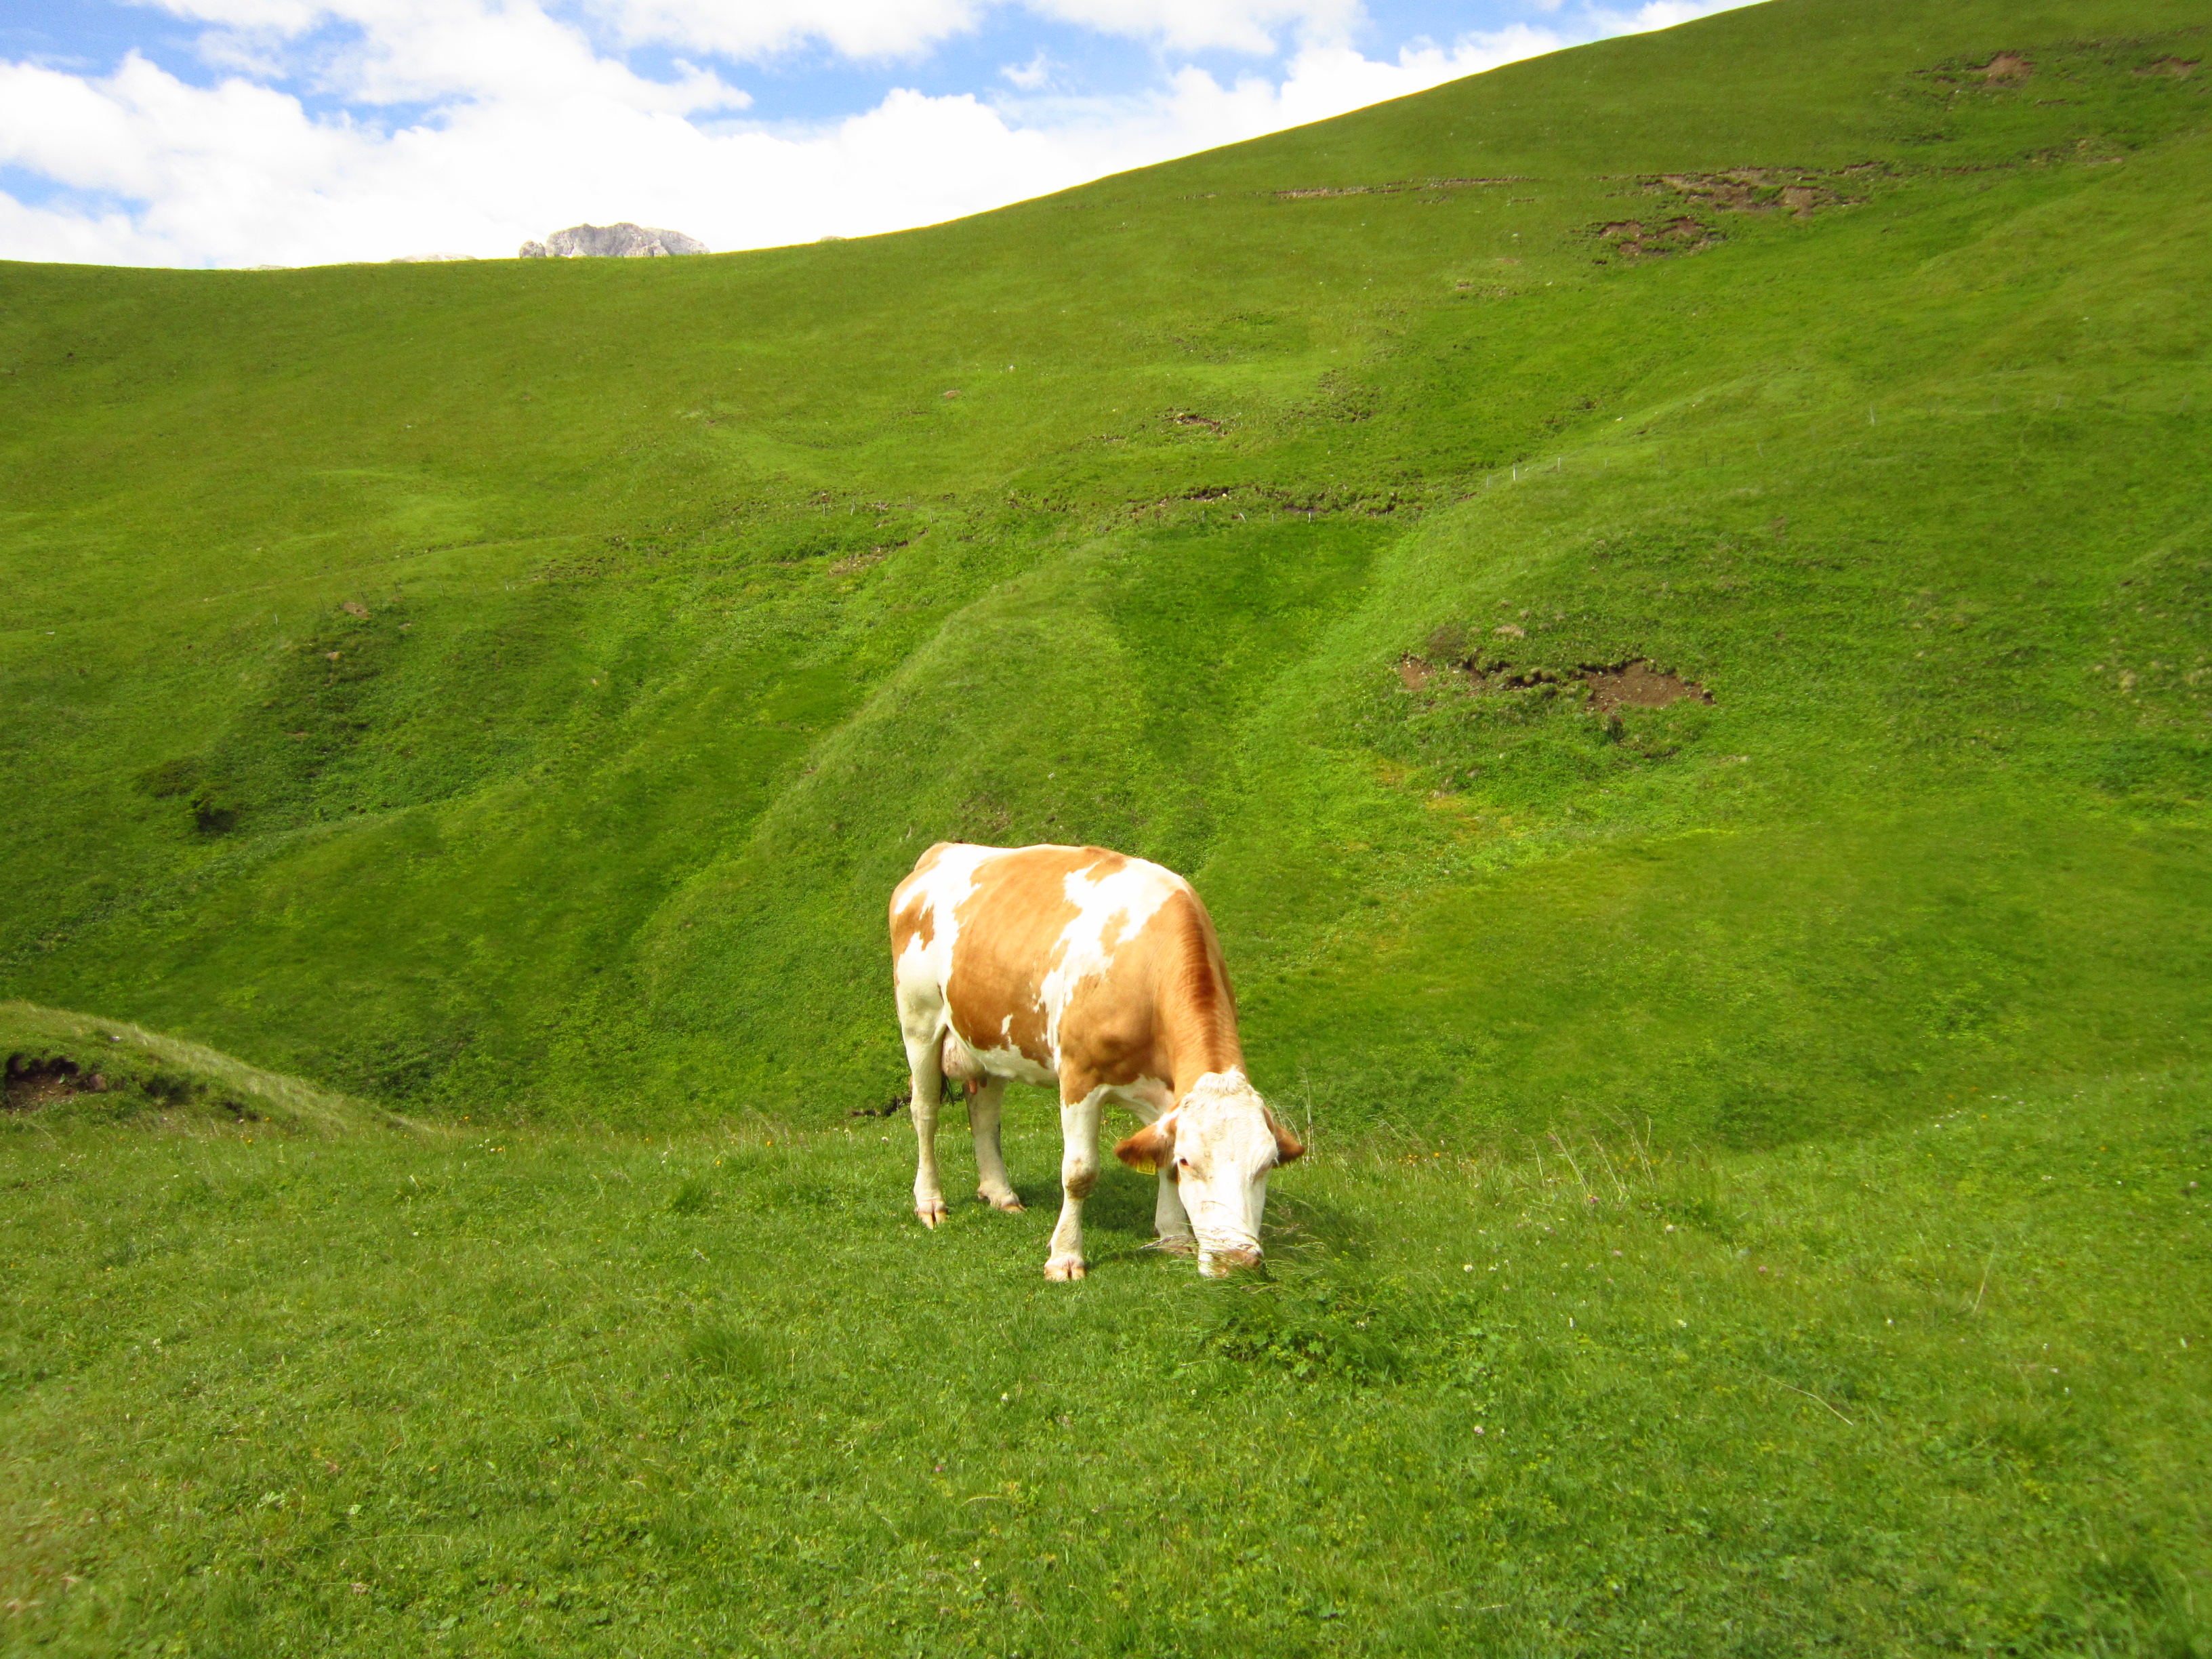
[
  {"x": 1248, "y": 26},
  {"x": 1032, "y": 76},
  {"x": 858, "y": 29},
  {"x": 531, "y": 128}
]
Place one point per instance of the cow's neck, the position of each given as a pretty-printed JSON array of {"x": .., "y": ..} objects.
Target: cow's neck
[{"x": 1195, "y": 1053}]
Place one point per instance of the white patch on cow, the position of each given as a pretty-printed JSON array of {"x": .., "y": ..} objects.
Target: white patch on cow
[
  {"x": 1010, "y": 1062},
  {"x": 1147, "y": 1096},
  {"x": 1223, "y": 1150},
  {"x": 1130, "y": 896},
  {"x": 924, "y": 969}
]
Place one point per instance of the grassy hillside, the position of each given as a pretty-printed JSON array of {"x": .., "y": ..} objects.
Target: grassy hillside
[
  {"x": 516, "y": 684},
  {"x": 1661, "y": 593},
  {"x": 68, "y": 1071}
]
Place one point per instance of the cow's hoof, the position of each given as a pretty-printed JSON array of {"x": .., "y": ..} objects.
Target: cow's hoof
[
  {"x": 1006, "y": 1201},
  {"x": 1178, "y": 1244},
  {"x": 931, "y": 1210},
  {"x": 1061, "y": 1268}
]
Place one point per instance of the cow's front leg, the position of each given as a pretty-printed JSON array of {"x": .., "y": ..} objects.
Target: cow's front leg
[
  {"x": 1079, "y": 1174},
  {"x": 926, "y": 1072},
  {"x": 1170, "y": 1224},
  {"x": 991, "y": 1183}
]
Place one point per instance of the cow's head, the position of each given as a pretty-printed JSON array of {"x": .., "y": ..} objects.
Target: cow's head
[{"x": 1218, "y": 1141}]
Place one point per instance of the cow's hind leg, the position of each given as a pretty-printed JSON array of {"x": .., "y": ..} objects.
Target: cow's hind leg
[
  {"x": 925, "y": 1072},
  {"x": 991, "y": 1183},
  {"x": 1079, "y": 1174}
]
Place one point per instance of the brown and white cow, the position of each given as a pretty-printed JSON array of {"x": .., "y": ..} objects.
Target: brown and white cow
[{"x": 1098, "y": 975}]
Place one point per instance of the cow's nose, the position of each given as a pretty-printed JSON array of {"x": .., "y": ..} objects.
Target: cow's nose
[{"x": 1219, "y": 1263}]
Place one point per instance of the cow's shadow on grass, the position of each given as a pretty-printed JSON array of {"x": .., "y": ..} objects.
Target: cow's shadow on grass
[{"x": 1117, "y": 1219}]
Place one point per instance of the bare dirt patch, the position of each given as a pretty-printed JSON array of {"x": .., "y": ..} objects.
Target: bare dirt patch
[
  {"x": 2176, "y": 69},
  {"x": 1753, "y": 189},
  {"x": 33, "y": 1082},
  {"x": 1396, "y": 187},
  {"x": 2007, "y": 69},
  {"x": 36, "y": 1080},
  {"x": 1638, "y": 684},
  {"x": 1680, "y": 234}
]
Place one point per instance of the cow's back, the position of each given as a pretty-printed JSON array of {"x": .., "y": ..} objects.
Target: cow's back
[{"x": 1044, "y": 953}]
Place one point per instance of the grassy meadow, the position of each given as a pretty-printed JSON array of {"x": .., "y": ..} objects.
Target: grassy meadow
[
  {"x": 464, "y": 720},
  {"x": 1942, "y": 1389}
]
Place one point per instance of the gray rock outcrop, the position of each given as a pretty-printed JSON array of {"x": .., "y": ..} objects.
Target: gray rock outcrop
[{"x": 621, "y": 241}]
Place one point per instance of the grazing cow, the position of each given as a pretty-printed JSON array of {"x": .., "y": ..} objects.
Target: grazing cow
[{"x": 1098, "y": 975}]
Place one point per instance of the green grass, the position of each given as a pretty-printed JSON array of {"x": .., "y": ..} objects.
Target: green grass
[
  {"x": 504, "y": 695},
  {"x": 1938, "y": 1389}
]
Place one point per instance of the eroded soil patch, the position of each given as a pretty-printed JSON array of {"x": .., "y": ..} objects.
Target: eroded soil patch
[
  {"x": 1792, "y": 191},
  {"x": 1799, "y": 192},
  {"x": 1638, "y": 684},
  {"x": 33, "y": 1082},
  {"x": 2007, "y": 69},
  {"x": 1635, "y": 684},
  {"x": 36, "y": 1080},
  {"x": 1393, "y": 188},
  {"x": 1680, "y": 234}
]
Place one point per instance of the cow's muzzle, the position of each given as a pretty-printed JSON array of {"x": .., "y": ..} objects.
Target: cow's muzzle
[{"x": 1219, "y": 1264}]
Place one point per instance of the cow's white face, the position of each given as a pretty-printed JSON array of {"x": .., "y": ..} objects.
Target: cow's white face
[{"x": 1219, "y": 1143}]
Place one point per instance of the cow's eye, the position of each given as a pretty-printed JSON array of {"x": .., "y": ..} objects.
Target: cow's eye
[{"x": 1183, "y": 1164}]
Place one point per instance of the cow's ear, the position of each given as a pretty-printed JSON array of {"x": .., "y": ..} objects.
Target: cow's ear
[
  {"x": 1289, "y": 1149},
  {"x": 1151, "y": 1146}
]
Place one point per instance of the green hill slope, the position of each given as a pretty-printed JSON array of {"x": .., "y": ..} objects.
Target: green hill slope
[
  {"x": 520, "y": 684},
  {"x": 72, "y": 1072}
]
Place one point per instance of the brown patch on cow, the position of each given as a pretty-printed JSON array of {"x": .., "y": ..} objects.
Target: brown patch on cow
[
  {"x": 1081, "y": 1184},
  {"x": 1010, "y": 929},
  {"x": 2007, "y": 69},
  {"x": 1289, "y": 1149},
  {"x": 915, "y": 919},
  {"x": 1151, "y": 1147},
  {"x": 2177, "y": 68},
  {"x": 1163, "y": 1011},
  {"x": 1638, "y": 684}
]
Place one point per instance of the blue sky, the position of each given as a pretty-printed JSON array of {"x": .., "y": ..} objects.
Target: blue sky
[{"x": 295, "y": 131}]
